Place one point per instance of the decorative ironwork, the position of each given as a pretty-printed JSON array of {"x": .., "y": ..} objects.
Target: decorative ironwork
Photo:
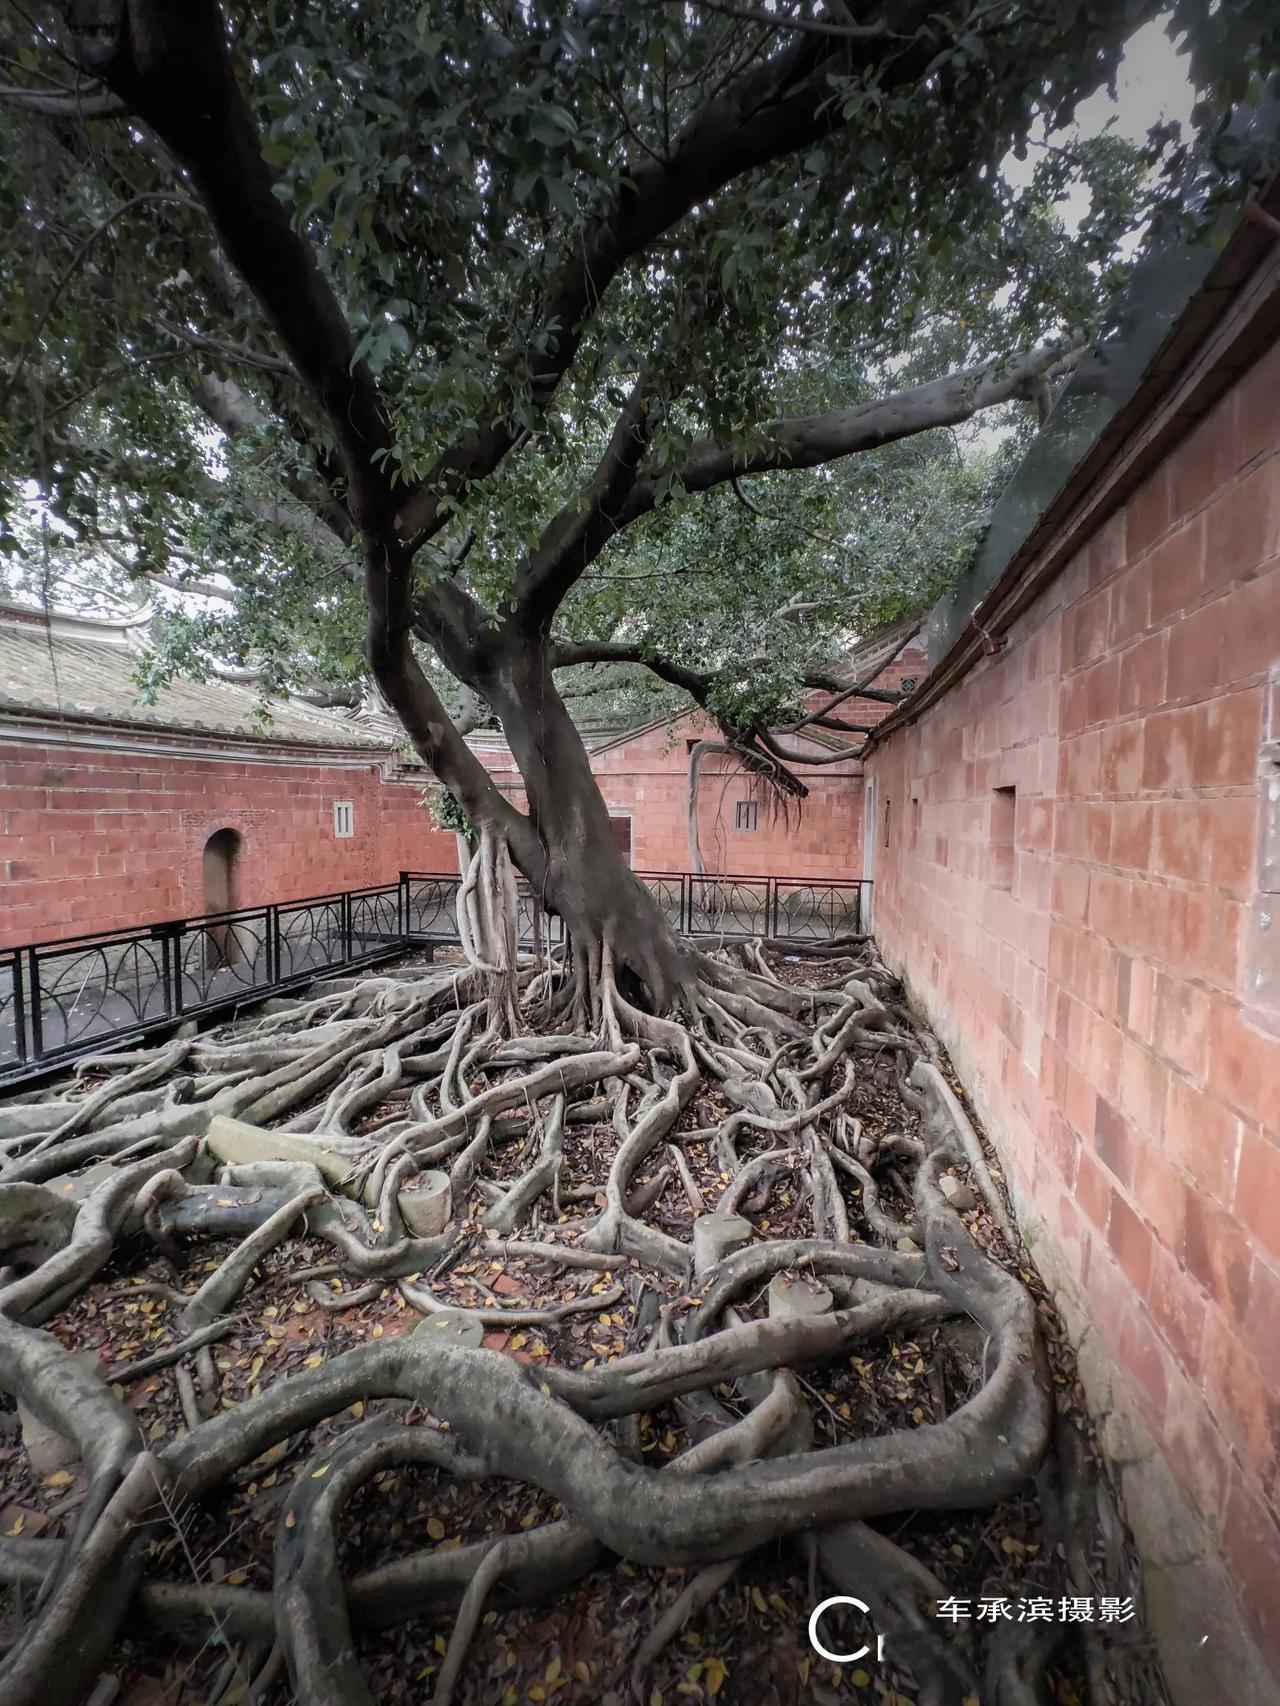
[{"x": 59, "y": 998}]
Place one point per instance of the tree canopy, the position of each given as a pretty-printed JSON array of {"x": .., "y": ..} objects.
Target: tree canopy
[
  {"x": 444, "y": 164},
  {"x": 531, "y": 337}
]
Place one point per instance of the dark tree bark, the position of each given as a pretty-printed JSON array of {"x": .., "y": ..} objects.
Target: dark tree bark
[
  {"x": 172, "y": 68},
  {"x": 584, "y": 877}
]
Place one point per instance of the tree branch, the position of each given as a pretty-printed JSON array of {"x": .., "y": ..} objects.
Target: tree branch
[
  {"x": 576, "y": 536},
  {"x": 773, "y": 108},
  {"x": 170, "y": 65},
  {"x": 68, "y": 103},
  {"x": 810, "y": 441}
]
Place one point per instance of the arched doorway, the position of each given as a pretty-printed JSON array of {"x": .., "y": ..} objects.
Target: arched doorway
[{"x": 221, "y": 881}]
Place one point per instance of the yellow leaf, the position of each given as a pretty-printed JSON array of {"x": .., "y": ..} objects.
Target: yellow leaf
[
  {"x": 552, "y": 1674},
  {"x": 715, "y": 1674},
  {"x": 758, "y": 1599},
  {"x": 357, "y": 1409},
  {"x": 237, "y": 1578},
  {"x": 314, "y": 1361},
  {"x": 18, "y": 1526},
  {"x": 290, "y": 1521},
  {"x": 59, "y": 1478},
  {"x": 1010, "y": 1547},
  {"x": 860, "y": 1679},
  {"x": 321, "y": 1472},
  {"x": 519, "y": 1341},
  {"x": 435, "y": 1528}
]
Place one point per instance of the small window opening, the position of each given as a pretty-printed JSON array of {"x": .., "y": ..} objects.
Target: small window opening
[
  {"x": 1004, "y": 810},
  {"x": 344, "y": 818},
  {"x": 887, "y": 821},
  {"x": 915, "y": 821},
  {"x": 746, "y": 814},
  {"x": 620, "y": 829}
]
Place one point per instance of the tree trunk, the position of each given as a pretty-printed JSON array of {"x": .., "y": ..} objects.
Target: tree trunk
[{"x": 584, "y": 878}]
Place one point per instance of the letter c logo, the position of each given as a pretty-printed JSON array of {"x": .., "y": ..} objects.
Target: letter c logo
[{"x": 816, "y": 1644}]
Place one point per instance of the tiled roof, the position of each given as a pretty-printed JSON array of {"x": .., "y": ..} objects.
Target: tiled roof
[{"x": 83, "y": 680}]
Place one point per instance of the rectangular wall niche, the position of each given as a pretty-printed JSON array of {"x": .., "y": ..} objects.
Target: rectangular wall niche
[
  {"x": 746, "y": 814},
  {"x": 1004, "y": 809},
  {"x": 344, "y": 819}
]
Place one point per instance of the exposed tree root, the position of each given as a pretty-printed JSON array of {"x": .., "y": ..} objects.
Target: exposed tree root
[{"x": 720, "y": 1150}]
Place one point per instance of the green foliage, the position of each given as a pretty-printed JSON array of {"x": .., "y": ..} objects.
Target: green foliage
[
  {"x": 445, "y": 811},
  {"x": 444, "y": 162}
]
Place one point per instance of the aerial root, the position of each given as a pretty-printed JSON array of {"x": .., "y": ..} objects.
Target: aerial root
[{"x": 404, "y": 1074}]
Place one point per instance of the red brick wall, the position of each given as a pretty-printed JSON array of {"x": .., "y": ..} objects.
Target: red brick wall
[
  {"x": 1104, "y": 1007},
  {"x": 820, "y": 836},
  {"x": 93, "y": 838}
]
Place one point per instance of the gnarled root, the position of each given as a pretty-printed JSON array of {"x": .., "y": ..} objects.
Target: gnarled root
[{"x": 720, "y": 1156}]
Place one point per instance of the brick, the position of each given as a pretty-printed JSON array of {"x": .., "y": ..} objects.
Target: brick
[
  {"x": 1196, "y": 1451},
  {"x": 1201, "y": 465},
  {"x": 1244, "y": 1065},
  {"x": 1149, "y": 511},
  {"x": 1203, "y": 1138},
  {"x": 1093, "y": 1190},
  {"x": 1130, "y": 1240},
  {"x": 1122, "y": 745},
  {"x": 1144, "y": 674},
  {"x": 1176, "y": 568},
  {"x": 1225, "y": 740},
  {"x": 1113, "y": 1141},
  {"x": 1167, "y": 749},
  {"x": 1243, "y": 527},
  {"x": 1251, "y": 1543},
  {"x": 1178, "y": 1308},
  {"x": 1132, "y": 830},
  {"x": 1181, "y": 1029},
  {"x": 1254, "y": 429},
  {"x": 1130, "y": 604},
  {"x": 1177, "y": 847},
  {"x": 1257, "y": 1196},
  {"x": 1197, "y": 652},
  {"x": 1217, "y": 1250},
  {"x": 1161, "y": 1196},
  {"x": 1229, "y": 826},
  {"x": 1146, "y": 1361},
  {"x": 1259, "y": 1330}
]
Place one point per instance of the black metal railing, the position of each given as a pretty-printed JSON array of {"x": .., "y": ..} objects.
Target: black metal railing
[{"x": 62, "y": 999}]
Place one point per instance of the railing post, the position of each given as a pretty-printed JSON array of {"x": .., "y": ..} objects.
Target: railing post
[
  {"x": 19, "y": 1015},
  {"x": 273, "y": 943},
  {"x": 402, "y": 907},
  {"x": 348, "y": 947},
  {"x": 171, "y": 958},
  {"x": 37, "y": 1017},
  {"x": 686, "y": 903},
  {"x": 771, "y": 906}
]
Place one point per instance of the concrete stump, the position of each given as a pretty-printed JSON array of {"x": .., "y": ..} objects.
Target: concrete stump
[
  {"x": 794, "y": 1295},
  {"x": 715, "y": 1236},
  {"x": 425, "y": 1204},
  {"x": 957, "y": 1194}
]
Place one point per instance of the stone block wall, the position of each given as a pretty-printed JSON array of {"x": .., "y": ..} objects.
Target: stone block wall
[
  {"x": 92, "y": 838},
  {"x": 1076, "y": 866}
]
